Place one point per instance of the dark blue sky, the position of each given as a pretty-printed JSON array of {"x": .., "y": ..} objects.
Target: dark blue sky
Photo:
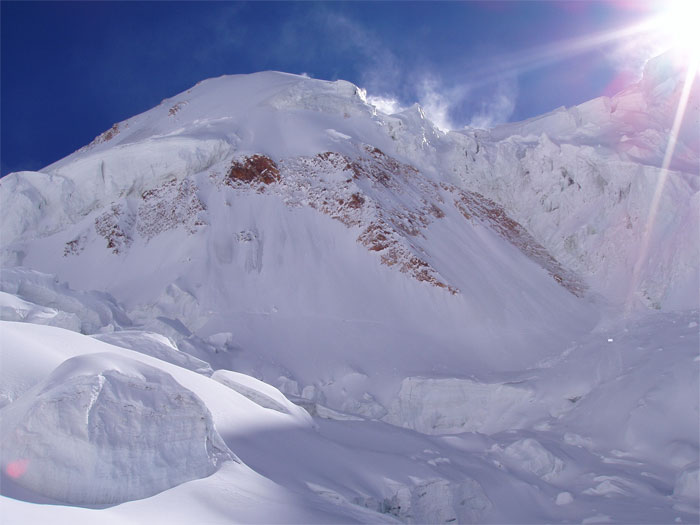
[{"x": 71, "y": 69}]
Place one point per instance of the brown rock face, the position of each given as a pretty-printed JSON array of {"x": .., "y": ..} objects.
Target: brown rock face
[
  {"x": 475, "y": 206},
  {"x": 113, "y": 226},
  {"x": 356, "y": 201},
  {"x": 103, "y": 137},
  {"x": 386, "y": 231},
  {"x": 168, "y": 206},
  {"x": 254, "y": 169}
]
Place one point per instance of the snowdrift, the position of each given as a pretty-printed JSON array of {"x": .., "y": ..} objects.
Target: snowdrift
[{"x": 103, "y": 429}]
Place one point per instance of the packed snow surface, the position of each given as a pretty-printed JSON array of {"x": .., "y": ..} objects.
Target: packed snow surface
[{"x": 266, "y": 301}]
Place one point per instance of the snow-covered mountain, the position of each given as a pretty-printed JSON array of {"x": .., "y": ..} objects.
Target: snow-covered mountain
[{"x": 486, "y": 325}]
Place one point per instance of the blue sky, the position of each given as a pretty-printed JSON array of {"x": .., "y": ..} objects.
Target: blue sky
[{"x": 72, "y": 69}]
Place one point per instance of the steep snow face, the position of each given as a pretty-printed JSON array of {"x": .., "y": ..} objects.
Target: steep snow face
[
  {"x": 271, "y": 113},
  {"x": 634, "y": 124},
  {"x": 103, "y": 430},
  {"x": 155, "y": 345},
  {"x": 453, "y": 406},
  {"x": 300, "y": 235},
  {"x": 31, "y": 296},
  {"x": 283, "y": 227},
  {"x": 261, "y": 393},
  {"x": 630, "y": 229},
  {"x": 571, "y": 180},
  {"x": 587, "y": 183}
]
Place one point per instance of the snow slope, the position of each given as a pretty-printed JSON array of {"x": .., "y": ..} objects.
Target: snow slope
[
  {"x": 559, "y": 465},
  {"x": 103, "y": 430},
  {"x": 96, "y": 424},
  {"x": 264, "y": 225},
  {"x": 515, "y": 310}
]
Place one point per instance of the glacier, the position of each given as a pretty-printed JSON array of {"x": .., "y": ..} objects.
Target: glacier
[{"x": 283, "y": 305}]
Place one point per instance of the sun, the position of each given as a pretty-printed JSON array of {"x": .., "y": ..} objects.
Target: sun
[{"x": 679, "y": 22}]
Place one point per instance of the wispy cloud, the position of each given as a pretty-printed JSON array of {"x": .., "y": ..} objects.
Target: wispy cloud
[
  {"x": 631, "y": 55},
  {"x": 443, "y": 105},
  {"x": 385, "y": 104},
  {"x": 437, "y": 102},
  {"x": 395, "y": 82},
  {"x": 435, "y": 99},
  {"x": 380, "y": 70},
  {"x": 499, "y": 107}
]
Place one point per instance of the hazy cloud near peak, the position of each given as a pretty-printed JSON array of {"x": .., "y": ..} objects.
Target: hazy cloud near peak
[
  {"x": 435, "y": 102},
  {"x": 394, "y": 82},
  {"x": 499, "y": 107},
  {"x": 385, "y": 104},
  {"x": 462, "y": 62},
  {"x": 381, "y": 69},
  {"x": 443, "y": 105},
  {"x": 631, "y": 55}
]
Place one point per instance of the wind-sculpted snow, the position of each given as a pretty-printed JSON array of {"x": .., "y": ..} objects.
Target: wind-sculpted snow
[
  {"x": 155, "y": 345},
  {"x": 529, "y": 455},
  {"x": 262, "y": 394},
  {"x": 452, "y": 406},
  {"x": 571, "y": 179},
  {"x": 14, "y": 308},
  {"x": 35, "y": 297},
  {"x": 593, "y": 213},
  {"x": 103, "y": 430},
  {"x": 687, "y": 486},
  {"x": 633, "y": 124},
  {"x": 570, "y": 461},
  {"x": 339, "y": 98},
  {"x": 477, "y": 207},
  {"x": 434, "y": 501},
  {"x": 392, "y": 203},
  {"x": 356, "y": 192}
]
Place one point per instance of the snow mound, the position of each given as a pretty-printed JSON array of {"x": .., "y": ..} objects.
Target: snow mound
[
  {"x": 262, "y": 394},
  {"x": 13, "y": 308},
  {"x": 452, "y": 406},
  {"x": 155, "y": 345},
  {"x": 528, "y": 454},
  {"x": 34, "y": 297},
  {"x": 105, "y": 429},
  {"x": 688, "y": 483},
  {"x": 339, "y": 97},
  {"x": 564, "y": 498},
  {"x": 438, "y": 501}
]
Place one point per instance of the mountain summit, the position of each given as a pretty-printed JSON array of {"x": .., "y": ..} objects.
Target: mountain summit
[{"x": 372, "y": 268}]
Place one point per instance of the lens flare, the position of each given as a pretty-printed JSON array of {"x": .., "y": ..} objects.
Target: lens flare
[
  {"x": 679, "y": 22},
  {"x": 16, "y": 469},
  {"x": 689, "y": 80}
]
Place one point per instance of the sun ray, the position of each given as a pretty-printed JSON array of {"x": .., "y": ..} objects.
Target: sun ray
[
  {"x": 690, "y": 76},
  {"x": 538, "y": 57}
]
